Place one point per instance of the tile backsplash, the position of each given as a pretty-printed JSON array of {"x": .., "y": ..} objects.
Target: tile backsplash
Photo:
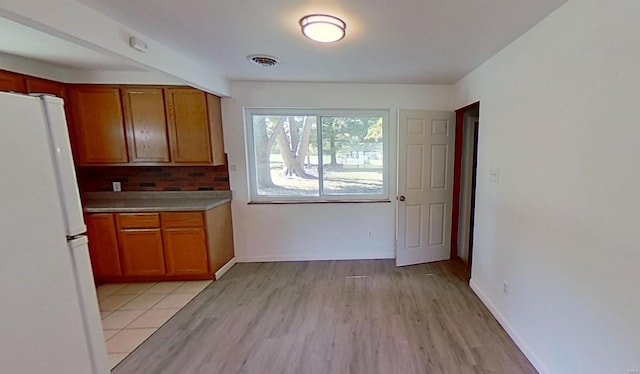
[{"x": 153, "y": 178}]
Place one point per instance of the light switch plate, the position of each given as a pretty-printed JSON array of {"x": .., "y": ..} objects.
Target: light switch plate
[{"x": 116, "y": 186}]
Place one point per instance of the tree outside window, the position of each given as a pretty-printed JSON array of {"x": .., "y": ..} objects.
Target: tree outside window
[{"x": 317, "y": 156}]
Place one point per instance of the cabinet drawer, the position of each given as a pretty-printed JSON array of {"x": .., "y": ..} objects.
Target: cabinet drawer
[
  {"x": 138, "y": 220},
  {"x": 182, "y": 219}
]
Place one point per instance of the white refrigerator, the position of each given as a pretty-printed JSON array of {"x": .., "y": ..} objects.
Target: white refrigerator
[{"x": 49, "y": 316}]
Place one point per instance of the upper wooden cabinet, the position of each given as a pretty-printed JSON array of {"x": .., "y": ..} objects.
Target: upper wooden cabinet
[
  {"x": 215, "y": 124},
  {"x": 188, "y": 125},
  {"x": 146, "y": 124},
  {"x": 45, "y": 86},
  {"x": 12, "y": 82},
  {"x": 134, "y": 125},
  {"x": 37, "y": 85},
  {"x": 98, "y": 128}
]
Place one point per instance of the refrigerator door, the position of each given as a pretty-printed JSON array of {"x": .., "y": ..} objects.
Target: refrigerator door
[
  {"x": 39, "y": 318},
  {"x": 63, "y": 165},
  {"x": 79, "y": 250}
]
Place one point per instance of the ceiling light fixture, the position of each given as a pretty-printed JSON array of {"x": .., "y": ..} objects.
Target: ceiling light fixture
[{"x": 323, "y": 28}]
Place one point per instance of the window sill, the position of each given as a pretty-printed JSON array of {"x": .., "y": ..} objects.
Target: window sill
[{"x": 355, "y": 201}]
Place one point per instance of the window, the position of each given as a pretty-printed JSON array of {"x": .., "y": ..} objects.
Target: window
[{"x": 317, "y": 155}]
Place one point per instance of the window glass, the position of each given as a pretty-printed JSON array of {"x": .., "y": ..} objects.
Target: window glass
[
  {"x": 352, "y": 151},
  {"x": 317, "y": 155}
]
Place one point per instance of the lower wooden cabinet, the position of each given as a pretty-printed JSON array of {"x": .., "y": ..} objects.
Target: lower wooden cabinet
[
  {"x": 159, "y": 246},
  {"x": 185, "y": 243},
  {"x": 103, "y": 245},
  {"x": 219, "y": 236},
  {"x": 185, "y": 251},
  {"x": 141, "y": 252}
]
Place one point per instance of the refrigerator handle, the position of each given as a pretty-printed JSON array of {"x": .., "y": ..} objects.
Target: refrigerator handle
[{"x": 63, "y": 165}]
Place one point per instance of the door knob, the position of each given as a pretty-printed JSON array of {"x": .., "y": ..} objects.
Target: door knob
[{"x": 401, "y": 198}]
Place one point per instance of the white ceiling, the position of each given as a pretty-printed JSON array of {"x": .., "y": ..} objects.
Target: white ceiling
[
  {"x": 404, "y": 41},
  {"x": 37, "y": 45}
]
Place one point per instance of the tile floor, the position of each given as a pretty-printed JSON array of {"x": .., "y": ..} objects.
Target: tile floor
[{"x": 131, "y": 312}]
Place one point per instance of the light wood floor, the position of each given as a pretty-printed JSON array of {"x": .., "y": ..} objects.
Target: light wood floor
[{"x": 332, "y": 317}]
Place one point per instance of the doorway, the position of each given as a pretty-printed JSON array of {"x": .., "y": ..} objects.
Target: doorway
[{"x": 466, "y": 161}]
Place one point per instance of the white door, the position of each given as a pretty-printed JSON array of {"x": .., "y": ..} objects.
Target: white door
[{"x": 425, "y": 186}]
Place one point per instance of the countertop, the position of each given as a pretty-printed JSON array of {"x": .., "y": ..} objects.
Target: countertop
[{"x": 170, "y": 201}]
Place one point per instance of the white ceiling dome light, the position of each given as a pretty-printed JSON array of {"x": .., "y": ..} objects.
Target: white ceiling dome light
[{"x": 323, "y": 28}]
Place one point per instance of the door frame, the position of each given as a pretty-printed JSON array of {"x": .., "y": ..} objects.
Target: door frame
[{"x": 457, "y": 176}]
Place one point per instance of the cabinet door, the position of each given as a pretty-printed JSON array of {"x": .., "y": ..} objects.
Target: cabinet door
[
  {"x": 146, "y": 124},
  {"x": 185, "y": 251},
  {"x": 219, "y": 236},
  {"x": 37, "y": 85},
  {"x": 215, "y": 125},
  {"x": 141, "y": 252},
  {"x": 188, "y": 125},
  {"x": 12, "y": 82},
  {"x": 103, "y": 245},
  {"x": 98, "y": 127}
]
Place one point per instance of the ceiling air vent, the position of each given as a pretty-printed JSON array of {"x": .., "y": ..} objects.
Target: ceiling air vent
[{"x": 263, "y": 60}]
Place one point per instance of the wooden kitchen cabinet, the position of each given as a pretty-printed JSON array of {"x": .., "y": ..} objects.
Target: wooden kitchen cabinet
[
  {"x": 98, "y": 127},
  {"x": 215, "y": 125},
  {"x": 141, "y": 251},
  {"x": 103, "y": 245},
  {"x": 188, "y": 126},
  {"x": 140, "y": 239},
  {"x": 185, "y": 250},
  {"x": 157, "y": 246},
  {"x": 45, "y": 86},
  {"x": 37, "y": 85},
  {"x": 219, "y": 236},
  {"x": 185, "y": 243},
  {"x": 12, "y": 82},
  {"x": 138, "y": 220},
  {"x": 146, "y": 123}
]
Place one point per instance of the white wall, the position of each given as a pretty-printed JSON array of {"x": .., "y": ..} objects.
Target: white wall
[
  {"x": 315, "y": 231},
  {"x": 32, "y": 67},
  {"x": 80, "y": 24},
  {"x": 45, "y": 70},
  {"x": 560, "y": 118}
]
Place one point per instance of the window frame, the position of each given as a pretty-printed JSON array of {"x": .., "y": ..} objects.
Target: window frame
[{"x": 250, "y": 152}]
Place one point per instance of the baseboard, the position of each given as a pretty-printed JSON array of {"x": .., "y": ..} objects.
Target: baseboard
[
  {"x": 535, "y": 361},
  {"x": 225, "y": 268},
  {"x": 287, "y": 258}
]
